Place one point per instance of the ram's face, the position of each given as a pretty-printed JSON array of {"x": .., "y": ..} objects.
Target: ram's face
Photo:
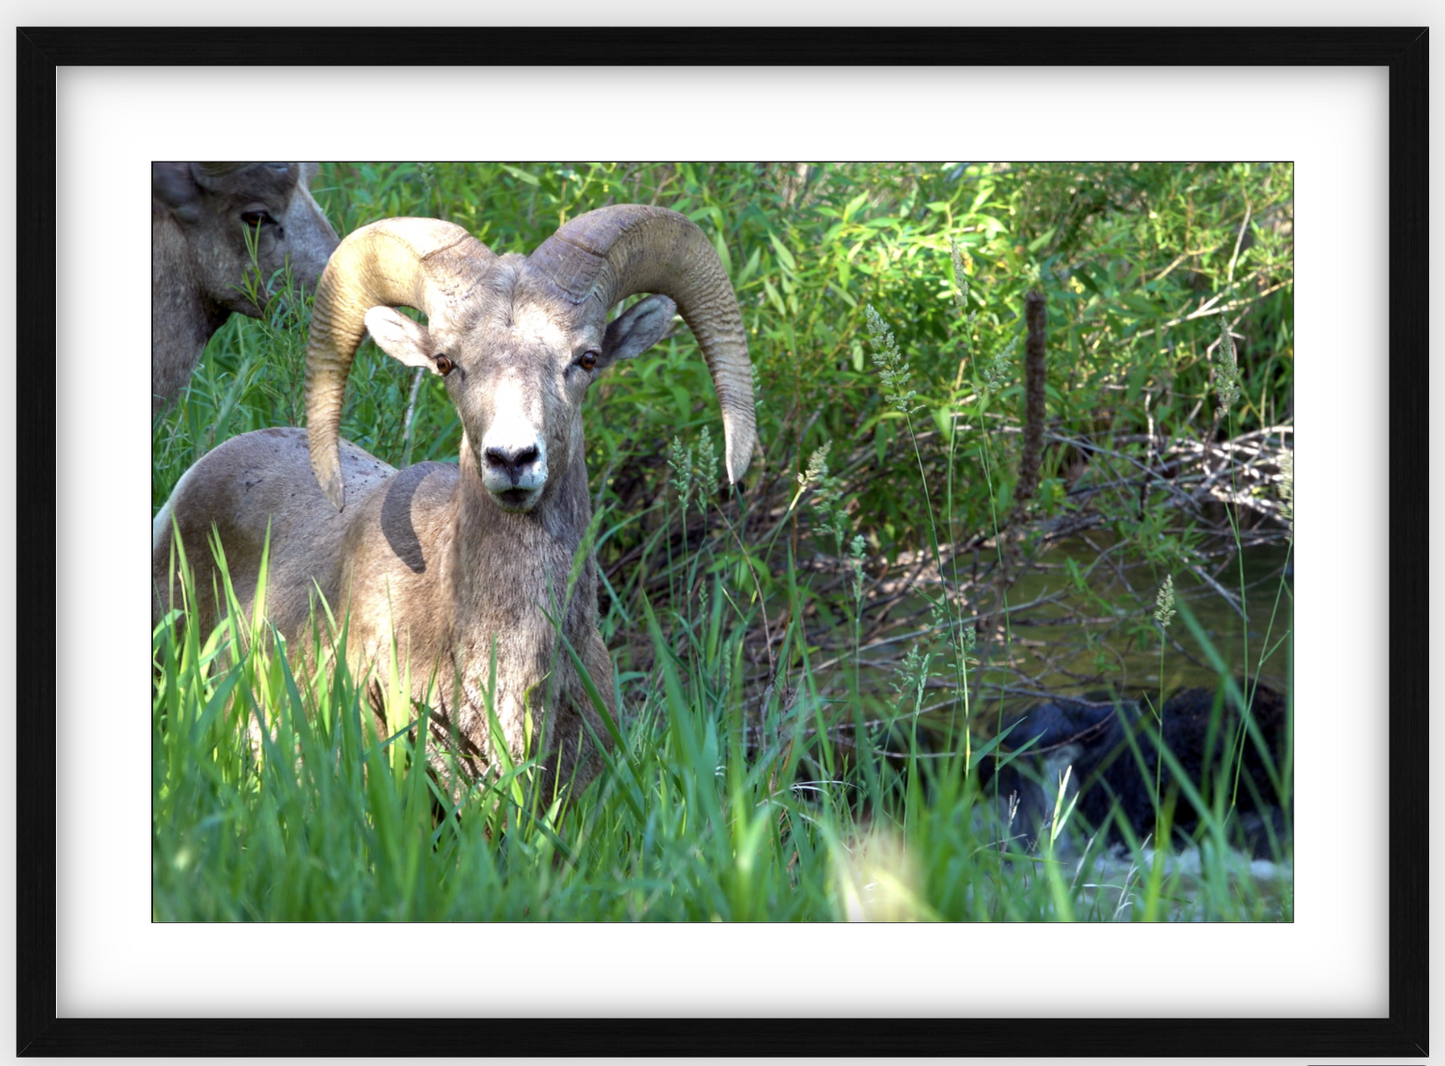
[
  {"x": 245, "y": 228},
  {"x": 517, "y": 366},
  {"x": 518, "y": 381}
]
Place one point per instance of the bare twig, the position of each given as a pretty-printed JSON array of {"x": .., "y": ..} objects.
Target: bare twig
[
  {"x": 1243, "y": 226},
  {"x": 410, "y": 411},
  {"x": 1035, "y": 373}
]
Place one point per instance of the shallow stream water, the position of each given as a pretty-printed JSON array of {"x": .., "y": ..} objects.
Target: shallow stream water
[{"x": 1081, "y": 643}]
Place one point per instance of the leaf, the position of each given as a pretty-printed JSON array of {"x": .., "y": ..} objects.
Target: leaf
[
  {"x": 943, "y": 419},
  {"x": 1086, "y": 280},
  {"x": 785, "y": 256},
  {"x": 773, "y": 297},
  {"x": 1139, "y": 304},
  {"x": 520, "y": 174},
  {"x": 1042, "y": 239},
  {"x": 749, "y": 269},
  {"x": 723, "y": 253},
  {"x": 989, "y": 225},
  {"x": 683, "y": 400}
]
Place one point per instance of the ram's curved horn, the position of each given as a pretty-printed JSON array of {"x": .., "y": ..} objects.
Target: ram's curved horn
[
  {"x": 422, "y": 263},
  {"x": 614, "y": 252}
]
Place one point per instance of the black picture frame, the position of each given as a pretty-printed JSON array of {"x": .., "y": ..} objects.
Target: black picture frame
[{"x": 1404, "y": 1033}]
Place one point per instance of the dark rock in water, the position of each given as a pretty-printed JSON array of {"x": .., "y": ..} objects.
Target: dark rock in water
[
  {"x": 1063, "y": 722},
  {"x": 1203, "y": 731},
  {"x": 1111, "y": 744}
]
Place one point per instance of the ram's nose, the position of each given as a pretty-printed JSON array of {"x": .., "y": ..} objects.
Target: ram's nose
[
  {"x": 514, "y": 472},
  {"x": 513, "y": 462}
]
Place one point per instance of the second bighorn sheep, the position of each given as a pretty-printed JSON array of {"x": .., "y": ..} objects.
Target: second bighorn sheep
[
  {"x": 204, "y": 219},
  {"x": 456, "y": 561}
]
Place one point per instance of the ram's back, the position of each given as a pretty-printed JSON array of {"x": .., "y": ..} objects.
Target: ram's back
[{"x": 253, "y": 490}]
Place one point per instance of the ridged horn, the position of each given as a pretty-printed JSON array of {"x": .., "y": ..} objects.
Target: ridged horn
[
  {"x": 421, "y": 263},
  {"x": 614, "y": 252}
]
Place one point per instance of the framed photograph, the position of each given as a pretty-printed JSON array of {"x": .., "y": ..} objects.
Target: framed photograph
[{"x": 1348, "y": 976}]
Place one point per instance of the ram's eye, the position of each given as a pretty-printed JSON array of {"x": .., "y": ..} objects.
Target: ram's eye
[
  {"x": 255, "y": 218},
  {"x": 588, "y": 361},
  {"x": 444, "y": 365}
]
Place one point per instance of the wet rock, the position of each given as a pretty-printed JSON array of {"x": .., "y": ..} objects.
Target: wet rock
[{"x": 1112, "y": 745}]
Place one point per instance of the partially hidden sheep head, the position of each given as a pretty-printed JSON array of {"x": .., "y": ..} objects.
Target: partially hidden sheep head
[{"x": 224, "y": 210}]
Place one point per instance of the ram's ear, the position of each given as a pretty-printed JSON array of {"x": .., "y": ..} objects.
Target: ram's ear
[
  {"x": 173, "y": 185},
  {"x": 637, "y": 329},
  {"x": 399, "y": 337}
]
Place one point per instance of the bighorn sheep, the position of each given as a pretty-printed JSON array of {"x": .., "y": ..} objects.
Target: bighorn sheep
[
  {"x": 455, "y": 561},
  {"x": 1093, "y": 735},
  {"x": 200, "y": 215}
]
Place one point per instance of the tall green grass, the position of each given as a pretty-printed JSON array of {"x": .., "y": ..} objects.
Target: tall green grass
[{"x": 700, "y": 816}]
